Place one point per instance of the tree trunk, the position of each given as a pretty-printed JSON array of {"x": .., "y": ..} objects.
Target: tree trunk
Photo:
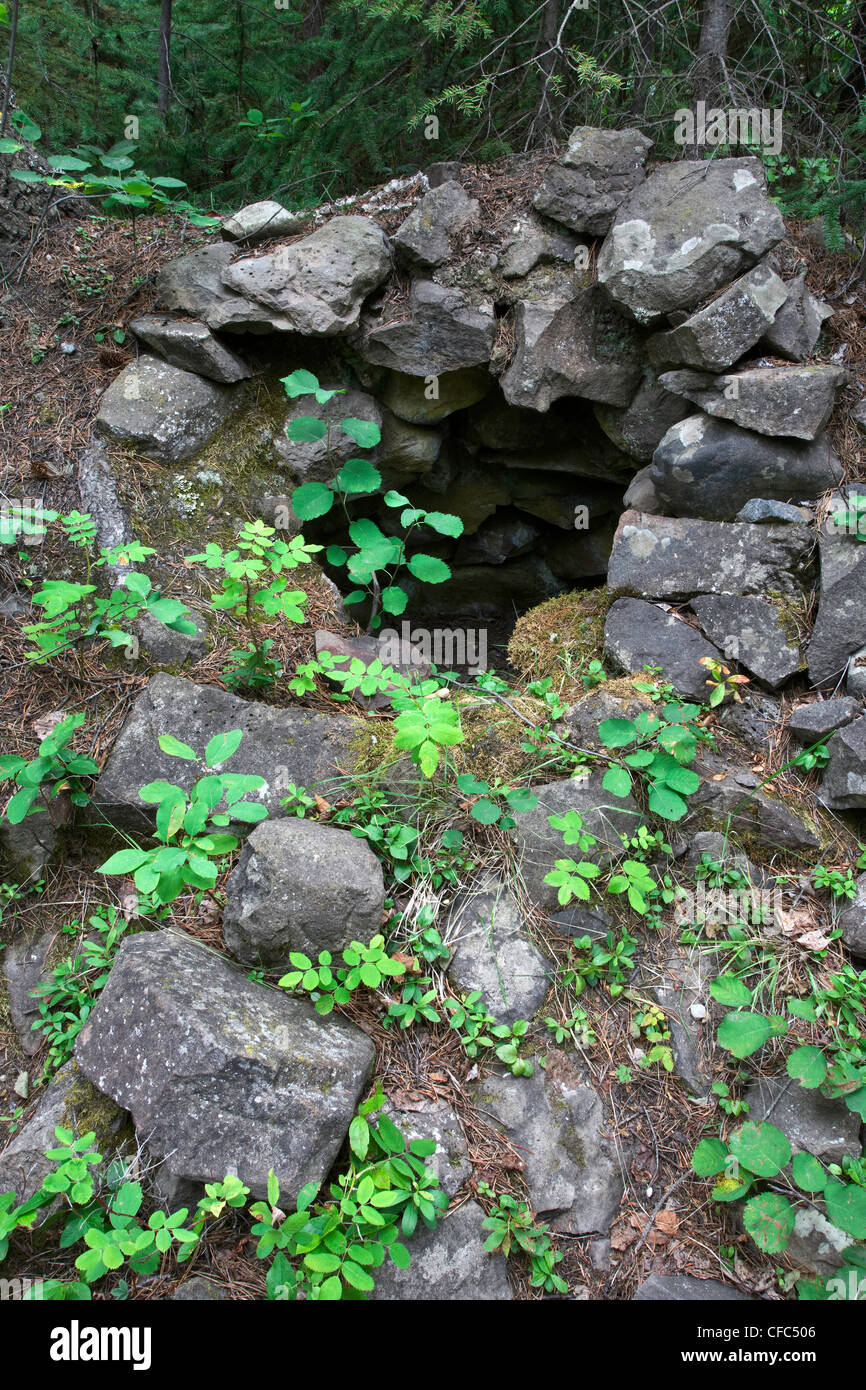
[
  {"x": 542, "y": 122},
  {"x": 7, "y": 85},
  {"x": 164, "y": 70},
  {"x": 709, "y": 82}
]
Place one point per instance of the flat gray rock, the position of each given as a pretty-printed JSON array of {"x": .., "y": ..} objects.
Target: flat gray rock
[
  {"x": 558, "y": 1123},
  {"x": 190, "y": 345},
  {"x": 855, "y": 674},
  {"x": 684, "y": 1288},
  {"x": 317, "y": 285},
  {"x": 685, "y": 232},
  {"x": 449, "y": 1264},
  {"x": 809, "y": 723},
  {"x": 281, "y": 745},
  {"x": 222, "y": 1075},
  {"x": 639, "y": 634},
  {"x": 24, "y": 963},
  {"x": 811, "y": 1122},
  {"x": 539, "y": 845},
  {"x": 597, "y": 172},
  {"x": 795, "y": 402},
  {"x": 194, "y": 285},
  {"x": 731, "y": 800},
  {"x": 426, "y": 238},
  {"x": 718, "y": 335},
  {"x": 840, "y": 625},
  {"x": 493, "y": 954},
  {"x": 711, "y": 468},
  {"x": 301, "y": 886},
  {"x": 68, "y": 1101},
  {"x": 760, "y": 509},
  {"x": 749, "y": 630},
  {"x": 639, "y": 428},
  {"x": 441, "y": 331},
  {"x": 166, "y": 413},
  {"x": 674, "y": 558}
]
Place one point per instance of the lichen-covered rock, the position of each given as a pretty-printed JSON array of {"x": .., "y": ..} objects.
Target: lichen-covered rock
[
  {"x": 222, "y": 1075},
  {"x": 557, "y": 1121},
  {"x": 317, "y": 286},
  {"x": 809, "y": 723},
  {"x": 194, "y": 285},
  {"x": 791, "y": 401},
  {"x": 493, "y": 953},
  {"x": 710, "y": 468},
  {"x": 421, "y": 402},
  {"x": 281, "y": 745},
  {"x": 427, "y": 236},
  {"x": 167, "y": 413},
  {"x": 597, "y": 172},
  {"x": 24, "y": 963},
  {"x": 190, "y": 345},
  {"x": 685, "y": 232},
  {"x": 437, "y": 1121},
  {"x": 852, "y": 920},
  {"x": 301, "y": 886},
  {"x": 840, "y": 625},
  {"x": 640, "y": 427},
  {"x": 448, "y": 1264},
  {"x": 71, "y": 1101},
  {"x": 749, "y": 630},
  {"x": 667, "y": 557},
  {"x": 732, "y": 323},
  {"x": 320, "y": 460},
  {"x": 639, "y": 634},
  {"x": 812, "y": 1123}
]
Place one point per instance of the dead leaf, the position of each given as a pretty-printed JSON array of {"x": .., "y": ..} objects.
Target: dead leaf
[
  {"x": 208, "y": 909},
  {"x": 410, "y": 962},
  {"x": 324, "y": 807},
  {"x": 47, "y": 723},
  {"x": 668, "y": 1221},
  {"x": 814, "y": 940}
]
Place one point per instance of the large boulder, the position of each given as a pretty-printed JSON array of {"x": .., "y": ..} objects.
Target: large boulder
[
  {"x": 449, "y": 1264},
  {"x": 24, "y": 962},
  {"x": 731, "y": 323},
  {"x": 281, "y": 745},
  {"x": 750, "y": 630},
  {"x": 421, "y": 402},
  {"x": 188, "y": 344},
  {"x": 558, "y": 1123},
  {"x": 597, "y": 172},
  {"x": 675, "y": 558},
  {"x": 426, "y": 238},
  {"x": 792, "y": 401},
  {"x": 317, "y": 285},
  {"x": 809, "y": 723},
  {"x": 441, "y": 331},
  {"x": 731, "y": 799},
  {"x": 167, "y": 413},
  {"x": 813, "y": 1124},
  {"x": 685, "y": 232},
  {"x": 530, "y": 244},
  {"x": 493, "y": 953},
  {"x": 71, "y": 1101},
  {"x": 569, "y": 344},
  {"x": 709, "y": 468},
  {"x": 222, "y": 1075},
  {"x": 301, "y": 886},
  {"x": 194, "y": 285},
  {"x": 638, "y": 634}
]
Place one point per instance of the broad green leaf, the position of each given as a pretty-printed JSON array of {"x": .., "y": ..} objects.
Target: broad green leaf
[
  {"x": 366, "y": 433},
  {"x": 357, "y": 1277},
  {"x": 429, "y": 569},
  {"x": 808, "y": 1066},
  {"x": 359, "y": 1137},
  {"x": 666, "y": 803},
  {"x": 125, "y": 861},
  {"x": 846, "y": 1208},
  {"x": 222, "y": 746},
  {"x": 709, "y": 1158},
  {"x": 445, "y": 523},
  {"x": 769, "y": 1220},
  {"x": 175, "y": 749},
  {"x": 306, "y": 429},
  {"x": 359, "y": 475},
  {"x": 617, "y": 781},
  {"x": 486, "y": 812},
  {"x": 312, "y": 500},
  {"x": 743, "y": 1033},
  {"x": 617, "y": 733},
  {"x": 761, "y": 1147},
  {"x": 808, "y": 1173},
  {"x": 728, "y": 990}
]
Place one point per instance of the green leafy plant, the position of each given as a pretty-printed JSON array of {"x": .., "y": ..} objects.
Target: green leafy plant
[
  {"x": 486, "y": 806},
  {"x": 721, "y": 682},
  {"x": 838, "y": 883},
  {"x": 477, "y": 1029},
  {"x": 75, "y": 612},
  {"x": 255, "y": 589},
  {"x": 327, "y": 984},
  {"x": 189, "y": 827},
  {"x": 606, "y": 962},
  {"x": 852, "y": 521},
  {"x": 576, "y": 1028},
  {"x": 514, "y": 1230},
  {"x": 661, "y": 749},
  {"x": 378, "y": 559},
  {"x": 72, "y": 987},
  {"x": 330, "y": 1249},
  {"x": 650, "y": 1025},
  {"x": 57, "y": 768}
]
